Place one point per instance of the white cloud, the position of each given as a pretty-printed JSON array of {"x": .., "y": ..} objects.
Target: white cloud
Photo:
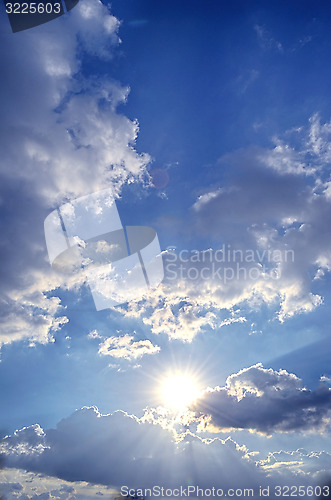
[
  {"x": 276, "y": 200},
  {"x": 61, "y": 137},
  {"x": 274, "y": 203},
  {"x": 299, "y": 462},
  {"x": 126, "y": 347},
  {"x": 94, "y": 335},
  {"x": 30, "y": 316},
  {"x": 205, "y": 198},
  {"x": 89, "y": 145}
]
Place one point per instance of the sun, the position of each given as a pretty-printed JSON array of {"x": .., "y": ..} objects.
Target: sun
[{"x": 178, "y": 391}]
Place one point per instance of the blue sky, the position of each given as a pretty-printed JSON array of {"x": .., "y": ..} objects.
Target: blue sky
[{"x": 210, "y": 123}]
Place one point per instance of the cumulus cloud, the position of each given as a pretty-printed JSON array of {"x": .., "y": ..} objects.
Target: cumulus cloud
[
  {"x": 89, "y": 146},
  {"x": 61, "y": 137},
  {"x": 274, "y": 256},
  {"x": 120, "y": 449},
  {"x": 94, "y": 334},
  {"x": 126, "y": 347},
  {"x": 265, "y": 401},
  {"x": 268, "y": 242},
  {"x": 181, "y": 309}
]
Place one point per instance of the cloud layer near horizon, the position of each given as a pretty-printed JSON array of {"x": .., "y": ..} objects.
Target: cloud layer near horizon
[{"x": 120, "y": 449}]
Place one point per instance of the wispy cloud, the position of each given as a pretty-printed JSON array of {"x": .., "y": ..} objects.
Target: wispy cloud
[{"x": 266, "y": 39}]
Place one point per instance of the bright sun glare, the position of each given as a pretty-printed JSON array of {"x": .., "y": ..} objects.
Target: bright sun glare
[{"x": 179, "y": 391}]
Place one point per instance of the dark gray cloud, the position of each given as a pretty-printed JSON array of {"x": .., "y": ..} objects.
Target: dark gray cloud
[
  {"x": 264, "y": 400},
  {"x": 119, "y": 449}
]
